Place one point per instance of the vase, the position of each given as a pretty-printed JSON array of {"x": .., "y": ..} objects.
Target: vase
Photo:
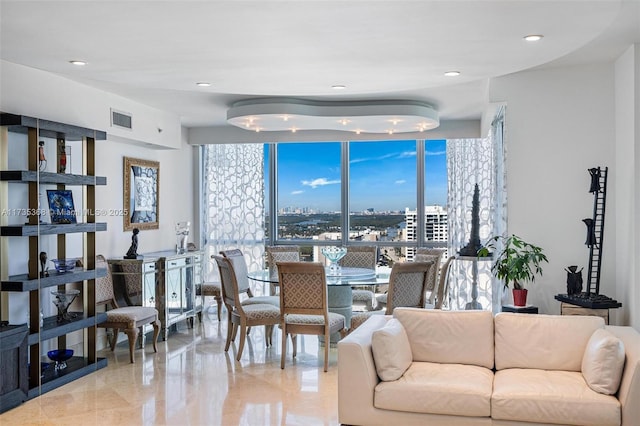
[{"x": 520, "y": 297}]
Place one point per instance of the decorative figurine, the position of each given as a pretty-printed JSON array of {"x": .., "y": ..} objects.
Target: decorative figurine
[
  {"x": 574, "y": 280},
  {"x": 595, "y": 179},
  {"x": 42, "y": 160},
  {"x": 63, "y": 160},
  {"x": 44, "y": 270},
  {"x": 591, "y": 232},
  {"x": 133, "y": 250},
  {"x": 473, "y": 246}
]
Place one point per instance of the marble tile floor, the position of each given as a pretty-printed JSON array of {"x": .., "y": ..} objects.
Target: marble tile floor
[{"x": 192, "y": 381}]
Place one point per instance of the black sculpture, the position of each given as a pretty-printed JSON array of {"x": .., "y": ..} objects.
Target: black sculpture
[
  {"x": 595, "y": 179},
  {"x": 133, "y": 250},
  {"x": 44, "y": 272},
  {"x": 472, "y": 247},
  {"x": 591, "y": 232},
  {"x": 574, "y": 280}
]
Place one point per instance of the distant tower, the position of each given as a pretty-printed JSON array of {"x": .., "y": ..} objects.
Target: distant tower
[{"x": 472, "y": 247}]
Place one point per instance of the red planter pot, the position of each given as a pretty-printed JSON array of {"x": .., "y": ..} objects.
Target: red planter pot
[{"x": 520, "y": 297}]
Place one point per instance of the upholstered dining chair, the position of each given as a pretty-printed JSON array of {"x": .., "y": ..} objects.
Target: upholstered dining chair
[
  {"x": 130, "y": 319},
  {"x": 441, "y": 290},
  {"x": 243, "y": 315},
  {"x": 304, "y": 306},
  {"x": 435, "y": 254},
  {"x": 277, "y": 254},
  {"x": 241, "y": 274},
  {"x": 407, "y": 284},
  {"x": 361, "y": 257}
]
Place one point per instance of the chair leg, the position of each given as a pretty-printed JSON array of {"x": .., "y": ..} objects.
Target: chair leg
[
  {"x": 235, "y": 332},
  {"x": 156, "y": 333},
  {"x": 294, "y": 343},
  {"x": 132, "y": 334},
  {"x": 284, "y": 345},
  {"x": 230, "y": 327},
  {"x": 327, "y": 343},
  {"x": 243, "y": 336},
  {"x": 219, "y": 303},
  {"x": 114, "y": 339}
]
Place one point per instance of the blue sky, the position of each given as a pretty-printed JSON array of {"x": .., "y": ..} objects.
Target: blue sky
[{"x": 382, "y": 175}]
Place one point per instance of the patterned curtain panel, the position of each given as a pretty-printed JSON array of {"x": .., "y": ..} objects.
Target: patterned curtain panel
[
  {"x": 233, "y": 191},
  {"x": 471, "y": 162}
]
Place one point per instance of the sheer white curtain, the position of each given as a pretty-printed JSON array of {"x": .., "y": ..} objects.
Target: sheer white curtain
[
  {"x": 471, "y": 162},
  {"x": 233, "y": 191}
]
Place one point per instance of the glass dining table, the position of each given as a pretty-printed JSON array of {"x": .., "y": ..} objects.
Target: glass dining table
[{"x": 339, "y": 287}]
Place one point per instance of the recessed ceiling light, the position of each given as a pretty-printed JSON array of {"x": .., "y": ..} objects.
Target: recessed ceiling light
[
  {"x": 533, "y": 37},
  {"x": 78, "y": 63},
  {"x": 203, "y": 84},
  {"x": 452, "y": 73},
  {"x": 338, "y": 87}
]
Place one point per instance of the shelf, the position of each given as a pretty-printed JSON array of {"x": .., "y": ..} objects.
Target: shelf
[
  {"x": 50, "y": 229},
  {"x": 76, "y": 367},
  {"x": 52, "y": 178},
  {"x": 23, "y": 283},
  {"x": 52, "y": 328},
  {"x": 51, "y": 129}
]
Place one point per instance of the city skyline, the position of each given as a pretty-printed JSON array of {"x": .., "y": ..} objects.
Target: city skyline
[{"x": 382, "y": 175}]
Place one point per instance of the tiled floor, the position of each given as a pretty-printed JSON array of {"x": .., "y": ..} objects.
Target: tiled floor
[{"x": 192, "y": 381}]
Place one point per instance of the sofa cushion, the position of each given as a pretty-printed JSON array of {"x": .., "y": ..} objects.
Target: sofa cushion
[
  {"x": 391, "y": 350},
  {"x": 454, "y": 337},
  {"x": 557, "y": 397},
  {"x": 545, "y": 342},
  {"x": 603, "y": 362},
  {"x": 454, "y": 389}
]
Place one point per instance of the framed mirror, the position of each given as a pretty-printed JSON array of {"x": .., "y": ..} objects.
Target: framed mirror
[{"x": 141, "y": 194}]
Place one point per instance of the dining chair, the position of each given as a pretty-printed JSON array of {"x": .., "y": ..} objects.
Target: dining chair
[
  {"x": 442, "y": 289},
  {"x": 130, "y": 319},
  {"x": 277, "y": 254},
  {"x": 241, "y": 273},
  {"x": 407, "y": 284},
  {"x": 303, "y": 306},
  {"x": 361, "y": 257},
  {"x": 435, "y": 254},
  {"x": 243, "y": 315}
]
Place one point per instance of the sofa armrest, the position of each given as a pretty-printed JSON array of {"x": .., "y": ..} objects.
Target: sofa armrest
[
  {"x": 629, "y": 392},
  {"x": 357, "y": 377}
]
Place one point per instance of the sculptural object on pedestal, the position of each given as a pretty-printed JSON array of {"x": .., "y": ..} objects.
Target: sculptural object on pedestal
[
  {"x": 472, "y": 247},
  {"x": 133, "y": 250}
]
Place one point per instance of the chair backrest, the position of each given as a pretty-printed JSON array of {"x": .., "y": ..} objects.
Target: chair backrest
[
  {"x": 442, "y": 289},
  {"x": 303, "y": 288},
  {"x": 231, "y": 253},
  {"x": 407, "y": 285},
  {"x": 229, "y": 286},
  {"x": 104, "y": 285},
  {"x": 239, "y": 269},
  {"x": 360, "y": 257},
  {"x": 277, "y": 254},
  {"x": 427, "y": 254}
]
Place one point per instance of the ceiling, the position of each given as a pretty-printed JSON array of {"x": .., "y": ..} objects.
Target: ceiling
[{"x": 155, "y": 52}]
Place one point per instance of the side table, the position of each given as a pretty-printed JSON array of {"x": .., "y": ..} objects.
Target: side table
[{"x": 528, "y": 309}]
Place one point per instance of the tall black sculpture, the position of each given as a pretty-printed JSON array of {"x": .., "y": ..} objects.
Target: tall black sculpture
[
  {"x": 132, "y": 253},
  {"x": 472, "y": 247}
]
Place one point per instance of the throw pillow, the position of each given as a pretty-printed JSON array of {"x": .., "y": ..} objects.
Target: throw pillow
[
  {"x": 603, "y": 362},
  {"x": 391, "y": 351}
]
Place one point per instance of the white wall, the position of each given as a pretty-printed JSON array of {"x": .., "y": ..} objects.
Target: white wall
[
  {"x": 627, "y": 106},
  {"x": 559, "y": 123}
]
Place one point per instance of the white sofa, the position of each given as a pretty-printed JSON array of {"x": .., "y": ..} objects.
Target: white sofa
[{"x": 471, "y": 368}]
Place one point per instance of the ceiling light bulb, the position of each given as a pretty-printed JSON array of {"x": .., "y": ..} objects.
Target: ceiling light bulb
[
  {"x": 452, "y": 73},
  {"x": 533, "y": 37},
  {"x": 285, "y": 117},
  {"x": 257, "y": 129},
  {"x": 79, "y": 63},
  {"x": 394, "y": 122},
  {"x": 203, "y": 84},
  {"x": 390, "y": 132},
  {"x": 358, "y": 131},
  {"x": 338, "y": 87}
]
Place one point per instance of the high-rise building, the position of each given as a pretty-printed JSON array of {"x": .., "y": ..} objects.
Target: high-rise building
[{"x": 436, "y": 228}]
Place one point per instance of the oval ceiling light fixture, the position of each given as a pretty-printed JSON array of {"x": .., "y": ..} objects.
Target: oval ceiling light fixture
[
  {"x": 78, "y": 63},
  {"x": 203, "y": 84},
  {"x": 353, "y": 116},
  {"x": 533, "y": 37},
  {"x": 452, "y": 73}
]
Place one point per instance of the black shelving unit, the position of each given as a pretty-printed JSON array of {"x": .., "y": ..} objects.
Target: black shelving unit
[{"x": 41, "y": 380}]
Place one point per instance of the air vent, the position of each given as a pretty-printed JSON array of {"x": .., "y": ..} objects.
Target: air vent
[{"x": 121, "y": 119}]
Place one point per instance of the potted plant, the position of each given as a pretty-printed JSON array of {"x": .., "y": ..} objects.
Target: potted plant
[{"x": 517, "y": 263}]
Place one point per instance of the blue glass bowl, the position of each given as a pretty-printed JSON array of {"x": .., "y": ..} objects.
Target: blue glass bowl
[
  {"x": 64, "y": 265},
  {"x": 60, "y": 355}
]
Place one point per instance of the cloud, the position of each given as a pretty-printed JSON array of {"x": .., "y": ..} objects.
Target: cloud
[
  {"x": 397, "y": 155},
  {"x": 400, "y": 181},
  {"x": 435, "y": 152},
  {"x": 319, "y": 182},
  {"x": 406, "y": 154},
  {"x": 296, "y": 192}
]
